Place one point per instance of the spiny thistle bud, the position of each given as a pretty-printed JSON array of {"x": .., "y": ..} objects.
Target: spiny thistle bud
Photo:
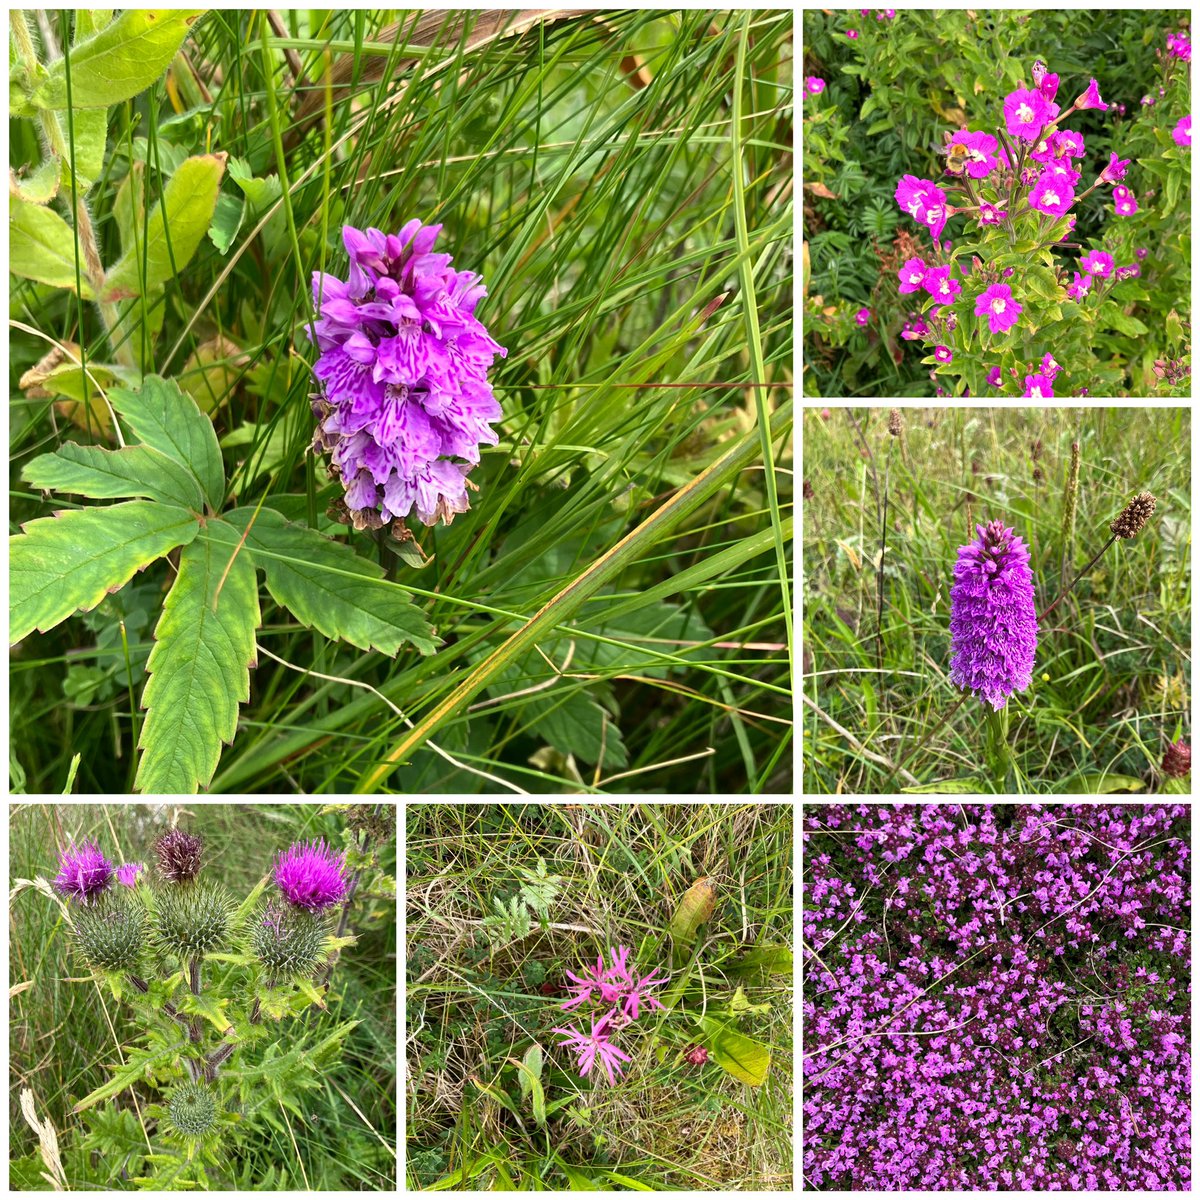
[
  {"x": 1134, "y": 516},
  {"x": 192, "y": 920},
  {"x": 193, "y": 1110},
  {"x": 289, "y": 942},
  {"x": 178, "y": 855},
  {"x": 895, "y": 422},
  {"x": 993, "y": 620},
  {"x": 84, "y": 874},
  {"x": 1177, "y": 759},
  {"x": 111, "y": 934}
]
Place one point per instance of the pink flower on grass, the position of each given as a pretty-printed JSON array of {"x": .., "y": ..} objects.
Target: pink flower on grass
[
  {"x": 637, "y": 992},
  {"x": 590, "y": 1047},
  {"x": 598, "y": 979},
  {"x": 912, "y": 275},
  {"x": 813, "y": 85},
  {"x": 941, "y": 286},
  {"x": 852, "y": 34},
  {"x": 863, "y": 316},
  {"x": 1000, "y": 308},
  {"x": 1115, "y": 171},
  {"x": 1182, "y": 133},
  {"x": 1124, "y": 201},
  {"x": 1091, "y": 98},
  {"x": 1038, "y": 387},
  {"x": 1096, "y": 262},
  {"x": 1027, "y": 112},
  {"x": 1050, "y": 196}
]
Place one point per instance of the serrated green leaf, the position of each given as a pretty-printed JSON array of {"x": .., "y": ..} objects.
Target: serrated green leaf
[
  {"x": 140, "y": 1061},
  {"x": 329, "y": 588},
  {"x": 118, "y": 61},
  {"x": 308, "y": 990},
  {"x": 162, "y": 415},
  {"x": 41, "y": 246},
  {"x": 200, "y": 666},
  {"x": 109, "y": 474},
  {"x": 246, "y": 907},
  {"x": 742, "y": 1057},
  {"x": 188, "y": 200},
  {"x": 72, "y": 560},
  {"x": 205, "y": 1005}
]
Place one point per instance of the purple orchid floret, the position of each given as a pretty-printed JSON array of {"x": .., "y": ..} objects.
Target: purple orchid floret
[
  {"x": 405, "y": 402},
  {"x": 127, "y": 874},
  {"x": 595, "y": 1046},
  {"x": 311, "y": 875},
  {"x": 84, "y": 874}
]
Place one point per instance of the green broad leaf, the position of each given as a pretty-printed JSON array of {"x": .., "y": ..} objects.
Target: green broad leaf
[
  {"x": 40, "y": 186},
  {"x": 129, "y": 208},
  {"x": 118, "y": 61},
  {"x": 1171, "y": 198},
  {"x": 41, "y": 246},
  {"x": 110, "y": 474},
  {"x": 739, "y": 1003},
  {"x": 329, "y": 588},
  {"x": 73, "y": 560},
  {"x": 1114, "y": 318},
  {"x": 310, "y": 992},
  {"x": 951, "y": 787},
  {"x": 762, "y": 960},
  {"x": 163, "y": 416},
  {"x": 227, "y": 220},
  {"x": 200, "y": 666},
  {"x": 84, "y": 141},
  {"x": 1101, "y": 784},
  {"x": 139, "y": 1066},
  {"x": 207, "y": 1006},
  {"x": 531, "y": 1086},
  {"x": 742, "y": 1057},
  {"x": 174, "y": 229}
]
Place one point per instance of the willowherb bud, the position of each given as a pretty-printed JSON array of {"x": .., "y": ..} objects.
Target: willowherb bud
[
  {"x": 111, "y": 934},
  {"x": 1177, "y": 759},
  {"x": 1134, "y": 516},
  {"x": 895, "y": 422},
  {"x": 192, "y": 920},
  {"x": 178, "y": 855},
  {"x": 193, "y": 1110},
  {"x": 289, "y": 941}
]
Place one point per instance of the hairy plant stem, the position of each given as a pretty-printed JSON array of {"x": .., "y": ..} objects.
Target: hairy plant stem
[{"x": 194, "y": 981}]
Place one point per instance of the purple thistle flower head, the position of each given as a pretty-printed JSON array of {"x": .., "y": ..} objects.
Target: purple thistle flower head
[
  {"x": 127, "y": 874},
  {"x": 84, "y": 874},
  {"x": 403, "y": 362},
  {"x": 993, "y": 620},
  {"x": 178, "y": 855},
  {"x": 311, "y": 875}
]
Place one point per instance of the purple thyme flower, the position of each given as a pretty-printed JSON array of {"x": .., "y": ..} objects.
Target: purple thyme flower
[
  {"x": 406, "y": 403},
  {"x": 311, "y": 875},
  {"x": 84, "y": 874},
  {"x": 127, "y": 874},
  {"x": 993, "y": 621},
  {"x": 595, "y": 1046}
]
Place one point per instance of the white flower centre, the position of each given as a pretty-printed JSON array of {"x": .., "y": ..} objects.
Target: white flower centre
[
  {"x": 1036, "y": 393},
  {"x": 945, "y": 288},
  {"x": 998, "y": 307},
  {"x": 1049, "y": 197},
  {"x": 1024, "y": 114}
]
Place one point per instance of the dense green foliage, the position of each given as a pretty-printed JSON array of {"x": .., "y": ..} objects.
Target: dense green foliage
[
  {"x": 1112, "y": 675},
  {"x": 894, "y": 92},
  {"x": 699, "y": 893},
  {"x": 613, "y": 613}
]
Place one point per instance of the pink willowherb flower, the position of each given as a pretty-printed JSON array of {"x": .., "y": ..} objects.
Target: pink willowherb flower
[
  {"x": 999, "y": 306},
  {"x": 1027, "y": 113},
  {"x": 1182, "y": 133},
  {"x": 1050, "y": 195},
  {"x": 1091, "y": 98},
  {"x": 590, "y": 1047},
  {"x": 1038, "y": 387},
  {"x": 1124, "y": 201},
  {"x": 912, "y": 275},
  {"x": 993, "y": 621},
  {"x": 1115, "y": 171},
  {"x": 310, "y": 875},
  {"x": 863, "y": 316},
  {"x": 1096, "y": 262}
]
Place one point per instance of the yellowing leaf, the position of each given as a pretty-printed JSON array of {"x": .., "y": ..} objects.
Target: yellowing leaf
[{"x": 694, "y": 909}]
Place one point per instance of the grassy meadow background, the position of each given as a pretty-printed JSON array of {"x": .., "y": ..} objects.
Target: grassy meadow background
[
  {"x": 622, "y": 180},
  {"x": 65, "y": 1032},
  {"x": 1112, "y": 677},
  {"x": 477, "y": 996}
]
